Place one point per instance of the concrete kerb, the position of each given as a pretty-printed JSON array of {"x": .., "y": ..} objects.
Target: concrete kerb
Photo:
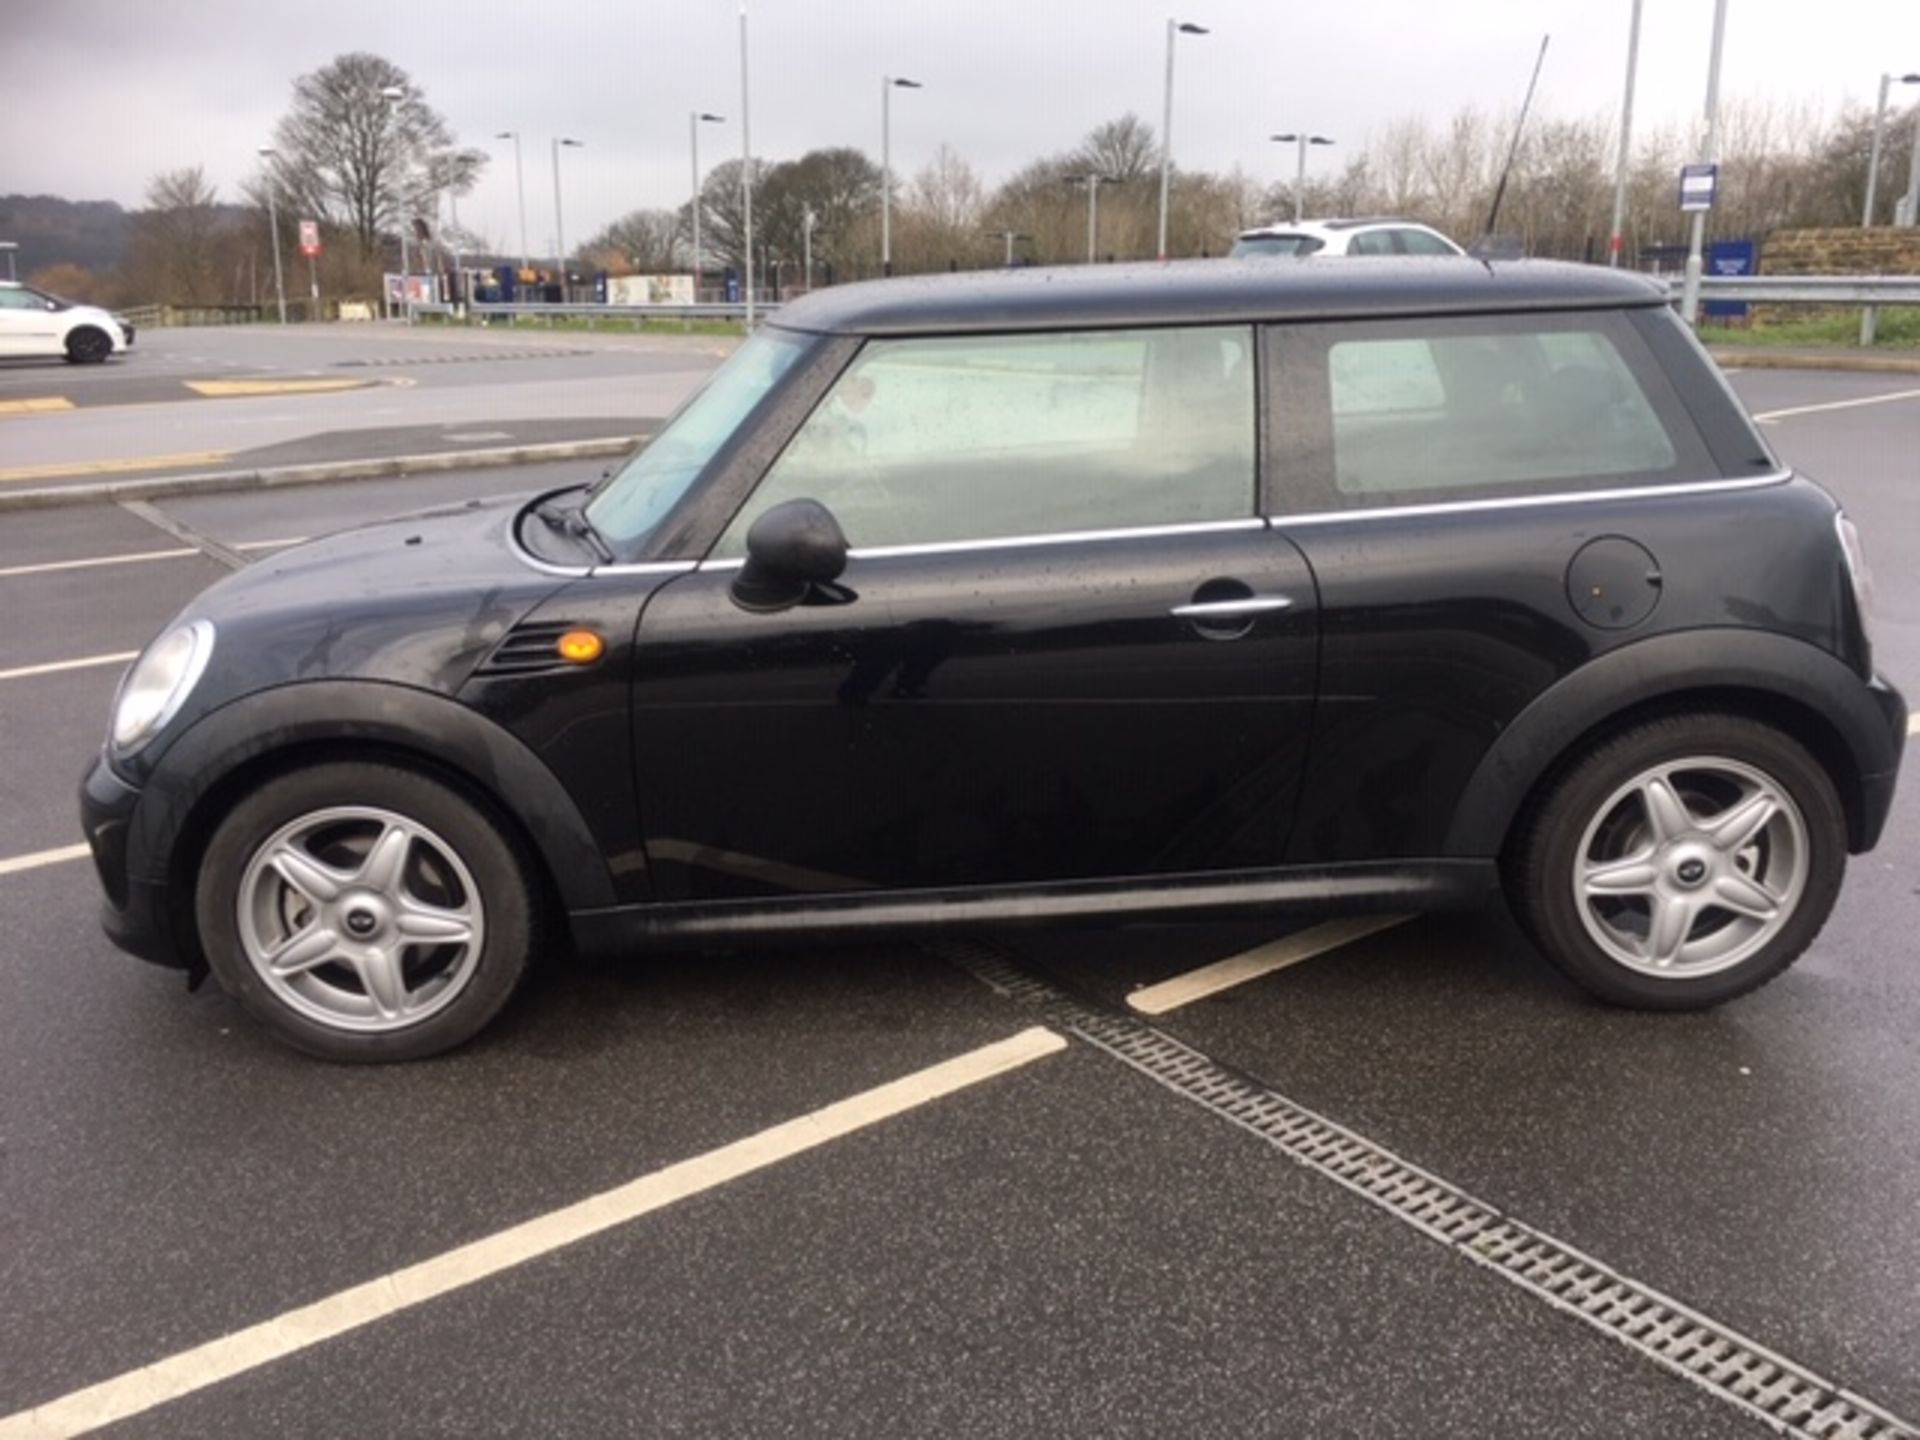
[
  {"x": 217, "y": 482},
  {"x": 1739, "y": 358}
]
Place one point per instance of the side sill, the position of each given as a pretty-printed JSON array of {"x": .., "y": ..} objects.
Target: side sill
[{"x": 1346, "y": 889}]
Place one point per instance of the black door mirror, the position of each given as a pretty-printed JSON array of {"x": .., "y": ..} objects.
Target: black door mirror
[{"x": 790, "y": 549}]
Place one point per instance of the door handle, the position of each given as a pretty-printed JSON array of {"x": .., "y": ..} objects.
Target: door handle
[{"x": 1228, "y": 609}]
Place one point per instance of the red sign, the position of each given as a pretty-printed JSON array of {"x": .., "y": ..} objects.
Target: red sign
[{"x": 309, "y": 237}]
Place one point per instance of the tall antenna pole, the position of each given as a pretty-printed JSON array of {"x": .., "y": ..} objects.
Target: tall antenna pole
[{"x": 1519, "y": 127}]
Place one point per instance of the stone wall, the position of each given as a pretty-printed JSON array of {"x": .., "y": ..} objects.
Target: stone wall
[{"x": 1882, "y": 250}]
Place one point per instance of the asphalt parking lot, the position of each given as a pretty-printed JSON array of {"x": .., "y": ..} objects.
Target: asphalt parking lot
[{"x": 928, "y": 1188}]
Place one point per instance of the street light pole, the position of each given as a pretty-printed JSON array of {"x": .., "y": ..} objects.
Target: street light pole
[
  {"x": 746, "y": 166},
  {"x": 888, "y": 84},
  {"x": 1300, "y": 170},
  {"x": 806, "y": 246},
  {"x": 1626, "y": 140},
  {"x": 695, "y": 119},
  {"x": 520, "y": 185},
  {"x": 389, "y": 94},
  {"x": 1174, "y": 28},
  {"x": 1870, "y": 316},
  {"x": 559, "y": 230},
  {"x": 273, "y": 225},
  {"x": 1690, "y": 289}
]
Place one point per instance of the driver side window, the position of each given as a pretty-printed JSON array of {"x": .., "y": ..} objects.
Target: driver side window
[{"x": 934, "y": 441}]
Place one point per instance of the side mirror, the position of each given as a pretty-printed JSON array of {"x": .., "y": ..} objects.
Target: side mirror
[{"x": 790, "y": 549}]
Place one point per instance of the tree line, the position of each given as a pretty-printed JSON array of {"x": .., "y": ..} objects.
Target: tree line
[{"x": 362, "y": 150}]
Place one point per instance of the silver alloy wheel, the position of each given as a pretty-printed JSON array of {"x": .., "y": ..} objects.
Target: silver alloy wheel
[
  {"x": 1691, "y": 866},
  {"x": 361, "y": 919}
]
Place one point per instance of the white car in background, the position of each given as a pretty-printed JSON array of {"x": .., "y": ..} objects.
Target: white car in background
[
  {"x": 1344, "y": 237},
  {"x": 35, "y": 323}
]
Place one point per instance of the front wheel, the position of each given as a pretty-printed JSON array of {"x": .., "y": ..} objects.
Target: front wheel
[
  {"x": 88, "y": 345},
  {"x": 1683, "y": 862},
  {"x": 363, "y": 912}
]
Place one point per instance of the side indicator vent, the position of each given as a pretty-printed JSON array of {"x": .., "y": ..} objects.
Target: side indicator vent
[{"x": 528, "y": 649}]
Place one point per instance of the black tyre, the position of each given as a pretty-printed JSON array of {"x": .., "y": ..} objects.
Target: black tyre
[
  {"x": 364, "y": 912},
  {"x": 1685, "y": 861},
  {"x": 89, "y": 345}
]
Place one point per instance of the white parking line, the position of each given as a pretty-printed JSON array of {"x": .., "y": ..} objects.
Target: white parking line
[
  {"x": 42, "y": 857},
  {"x": 181, "y": 1374},
  {"x": 1263, "y": 960},
  {"x": 91, "y": 562},
  {"x": 1767, "y": 415},
  {"x": 51, "y": 667},
  {"x": 1913, "y": 723}
]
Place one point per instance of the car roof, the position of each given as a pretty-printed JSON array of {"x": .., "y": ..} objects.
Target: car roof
[
  {"x": 1335, "y": 226},
  {"x": 1200, "y": 291}
]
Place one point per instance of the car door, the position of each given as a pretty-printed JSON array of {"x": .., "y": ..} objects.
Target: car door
[
  {"x": 1065, "y": 646},
  {"x": 25, "y": 324}
]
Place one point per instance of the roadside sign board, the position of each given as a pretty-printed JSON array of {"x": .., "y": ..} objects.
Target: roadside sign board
[
  {"x": 309, "y": 237},
  {"x": 1730, "y": 257},
  {"x": 1698, "y": 185}
]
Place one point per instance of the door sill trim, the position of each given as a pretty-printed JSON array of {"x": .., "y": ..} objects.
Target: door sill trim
[{"x": 1345, "y": 889}]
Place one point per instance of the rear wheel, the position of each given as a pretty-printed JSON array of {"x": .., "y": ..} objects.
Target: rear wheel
[
  {"x": 88, "y": 345},
  {"x": 364, "y": 912},
  {"x": 1684, "y": 862}
]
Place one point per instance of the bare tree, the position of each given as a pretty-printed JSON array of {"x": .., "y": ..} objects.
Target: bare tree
[
  {"x": 643, "y": 242},
  {"x": 366, "y": 162},
  {"x": 171, "y": 255}
]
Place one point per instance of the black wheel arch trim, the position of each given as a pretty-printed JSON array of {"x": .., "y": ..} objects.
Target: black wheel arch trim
[
  {"x": 1858, "y": 732},
  {"x": 441, "y": 734}
]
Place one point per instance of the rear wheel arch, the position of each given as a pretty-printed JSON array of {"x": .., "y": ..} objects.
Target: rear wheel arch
[{"x": 1789, "y": 684}]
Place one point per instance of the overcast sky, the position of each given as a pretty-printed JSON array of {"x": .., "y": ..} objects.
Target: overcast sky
[{"x": 101, "y": 94}]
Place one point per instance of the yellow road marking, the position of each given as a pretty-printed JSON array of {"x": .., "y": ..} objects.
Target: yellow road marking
[
  {"x": 115, "y": 467},
  {"x": 41, "y": 857},
  {"x": 38, "y": 405},
  {"x": 228, "y": 389},
  {"x": 346, "y": 1310},
  {"x": 1238, "y": 969}
]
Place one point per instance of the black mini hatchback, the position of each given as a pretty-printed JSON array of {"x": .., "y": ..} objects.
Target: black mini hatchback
[{"x": 1106, "y": 593}]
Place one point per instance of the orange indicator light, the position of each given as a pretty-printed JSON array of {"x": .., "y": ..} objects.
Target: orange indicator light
[{"x": 581, "y": 647}]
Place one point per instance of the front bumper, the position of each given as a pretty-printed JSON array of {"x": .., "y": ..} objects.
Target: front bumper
[
  {"x": 135, "y": 912},
  {"x": 1876, "y": 786}
]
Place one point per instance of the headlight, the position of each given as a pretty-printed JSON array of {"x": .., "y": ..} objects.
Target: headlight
[
  {"x": 1857, "y": 572},
  {"x": 159, "y": 683}
]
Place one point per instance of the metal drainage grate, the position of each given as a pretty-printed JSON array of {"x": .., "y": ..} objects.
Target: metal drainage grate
[{"x": 1724, "y": 1362}]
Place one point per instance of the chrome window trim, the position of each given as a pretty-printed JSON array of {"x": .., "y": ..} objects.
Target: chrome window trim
[
  {"x": 1516, "y": 502},
  {"x": 652, "y": 567},
  {"x": 1027, "y": 542}
]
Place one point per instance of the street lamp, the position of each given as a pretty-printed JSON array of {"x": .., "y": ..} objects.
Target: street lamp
[
  {"x": 888, "y": 84},
  {"x": 1873, "y": 155},
  {"x": 559, "y": 231},
  {"x": 520, "y": 185},
  {"x": 389, "y": 94},
  {"x": 1690, "y": 285},
  {"x": 1870, "y": 316},
  {"x": 1300, "y": 171},
  {"x": 1093, "y": 182},
  {"x": 1009, "y": 236},
  {"x": 273, "y": 225},
  {"x": 746, "y": 167},
  {"x": 1626, "y": 140},
  {"x": 1174, "y": 28},
  {"x": 695, "y": 119}
]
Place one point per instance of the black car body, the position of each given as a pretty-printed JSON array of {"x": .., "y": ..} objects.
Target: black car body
[{"x": 1173, "y": 589}]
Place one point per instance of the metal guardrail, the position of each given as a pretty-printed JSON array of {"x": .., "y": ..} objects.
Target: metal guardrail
[
  {"x": 706, "y": 311},
  {"x": 1810, "y": 289}
]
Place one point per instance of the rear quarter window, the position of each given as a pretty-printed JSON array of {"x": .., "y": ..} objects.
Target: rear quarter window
[{"x": 1424, "y": 411}]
